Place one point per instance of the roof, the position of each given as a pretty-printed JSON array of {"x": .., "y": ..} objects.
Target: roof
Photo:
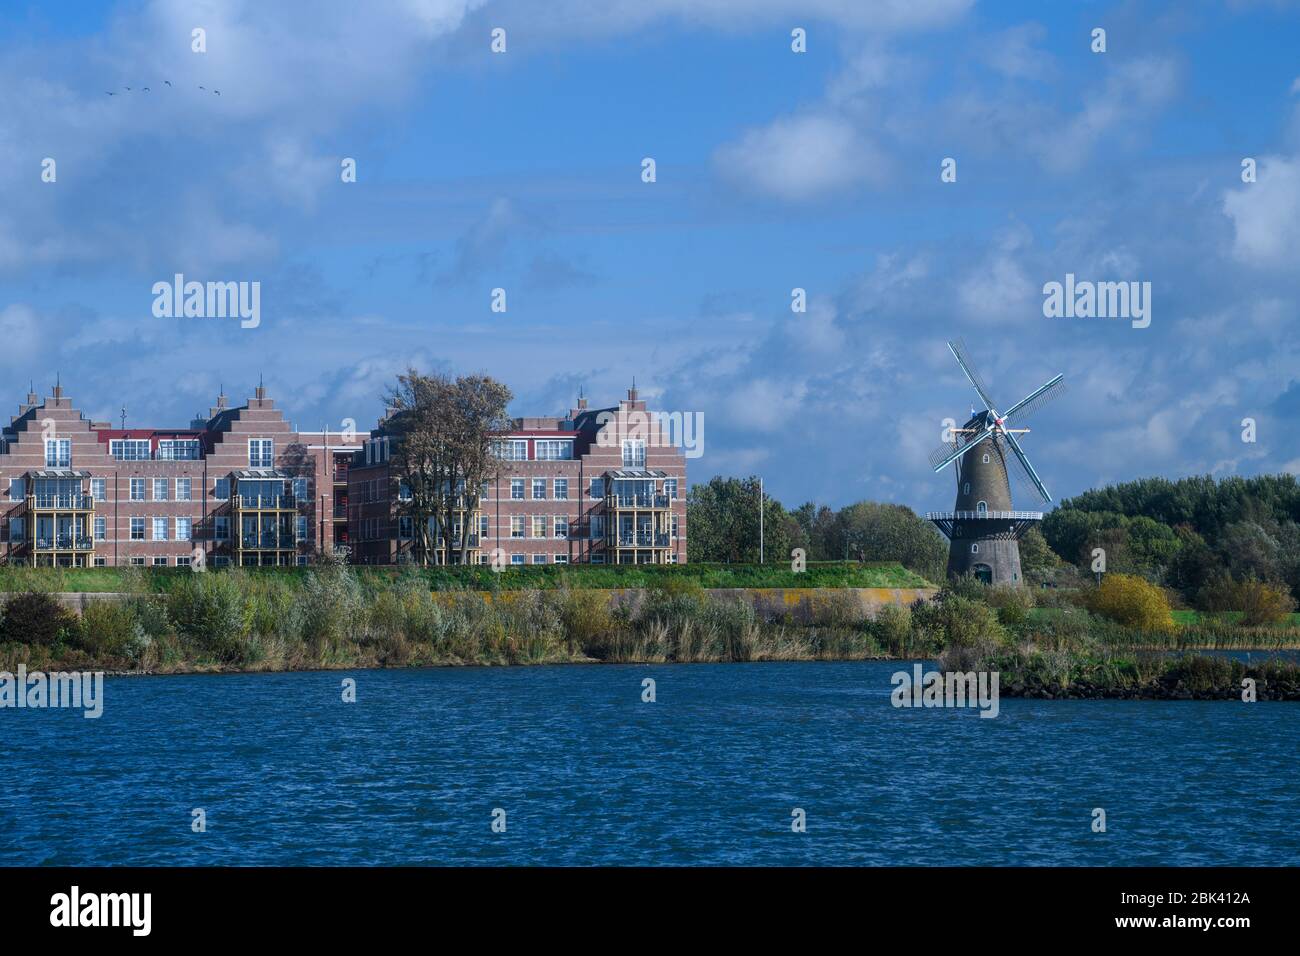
[
  {"x": 259, "y": 474},
  {"x": 59, "y": 473},
  {"x": 638, "y": 473}
]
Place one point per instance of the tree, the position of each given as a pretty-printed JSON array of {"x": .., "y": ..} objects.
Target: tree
[
  {"x": 441, "y": 433},
  {"x": 723, "y": 518}
]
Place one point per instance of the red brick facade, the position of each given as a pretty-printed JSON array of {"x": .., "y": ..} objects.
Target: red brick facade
[{"x": 243, "y": 487}]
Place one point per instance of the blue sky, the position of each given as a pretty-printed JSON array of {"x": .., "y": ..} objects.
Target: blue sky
[{"x": 775, "y": 170}]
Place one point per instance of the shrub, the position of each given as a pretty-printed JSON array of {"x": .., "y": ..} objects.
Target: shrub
[
  {"x": 34, "y": 617},
  {"x": 1013, "y": 604},
  {"x": 110, "y": 629},
  {"x": 588, "y": 622},
  {"x": 1262, "y": 603},
  {"x": 1133, "y": 602},
  {"x": 892, "y": 629},
  {"x": 209, "y": 609}
]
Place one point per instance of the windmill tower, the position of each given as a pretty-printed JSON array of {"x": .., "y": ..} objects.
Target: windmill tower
[{"x": 983, "y": 528}]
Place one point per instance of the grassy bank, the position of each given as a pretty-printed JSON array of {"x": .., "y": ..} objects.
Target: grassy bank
[
  {"x": 825, "y": 574},
  {"x": 339, "y": 617}
]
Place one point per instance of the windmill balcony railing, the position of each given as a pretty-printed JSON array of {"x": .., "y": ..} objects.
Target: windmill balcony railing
[
  {"x": 61, "y": 502},
  {"x": 985, "y": 515}
]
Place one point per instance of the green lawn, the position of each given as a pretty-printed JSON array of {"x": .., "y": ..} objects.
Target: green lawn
[
  {"x": 823, "y": 574},
  {"x": 1232, "y": 617}
]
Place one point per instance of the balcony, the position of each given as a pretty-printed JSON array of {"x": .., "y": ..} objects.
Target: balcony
[
  {"x": 340, "y": 512},
  {"x": 644, "y": 501},
  {"x": 265, "y": 502},
  {"x": 641, "y": 539},
  {"x": 269, "y": 542},
  {"x": 60, "y": 502},
  {"x": 64, "y": 542}
]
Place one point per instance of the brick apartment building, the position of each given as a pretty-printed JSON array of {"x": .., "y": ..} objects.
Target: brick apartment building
[
  {"x": 599, "y": 486},
  {"x": 243, "y": 487}
]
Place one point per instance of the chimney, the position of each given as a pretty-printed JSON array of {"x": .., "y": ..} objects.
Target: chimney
[{"x": 582, "y": 404}]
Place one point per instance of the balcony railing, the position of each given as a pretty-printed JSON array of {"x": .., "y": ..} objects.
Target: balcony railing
[
  {"x": 340, "y": 511},
  {"x": 269, "y": 542},
  {"x": 267, "y": 502},
  {"x": 642, "y": 539},
  {"x": 990, "y": 515},
  {"x": 637, "y": 501},
  {"x": 64, "y": 542},
  {"x": 62, "y": 502}
]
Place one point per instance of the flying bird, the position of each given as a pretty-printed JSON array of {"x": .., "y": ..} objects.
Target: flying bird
[
  {"x": 203, "y": 88},
  {"x": 218, "y": 92},
  {"x": 168, "y": 82},
  {"x": 110, "y": 94},
  {"x": 128, "y": 89},
  {"x": 146, "y": 89}
]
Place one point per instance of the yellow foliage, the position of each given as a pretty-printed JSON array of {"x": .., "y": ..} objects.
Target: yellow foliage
[{"x": 1133, "y": 602}]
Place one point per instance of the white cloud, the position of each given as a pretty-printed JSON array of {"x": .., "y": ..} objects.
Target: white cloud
[
  {"x": 801, "y": 157},
  {"x": 1266, "y": 215}
]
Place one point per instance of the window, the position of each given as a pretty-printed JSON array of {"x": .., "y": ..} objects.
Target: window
[
  {"x": 300, "y": 489},
  {"x": 553, "y": 450},
  {"x": 137, "y": 489},
  {"x": 221, "y": 561},
  {"x": 539, "y": 526},
  {"x": 15, "y": 530},
  {"x": 670, "y": 488},
  {"x": 539, "y": 489},
  {"x": 184, "y": 527},
  {"x": 178, "y": 449},
  {"x": 221, "y": 490},
  {"x": 561, "y": 489},
  {"x": 633, "y": 452},
  {"x": 561, "y": 559},
  {"x": 539, "y": 559},
  {"x": 982, "y": 507},
  {"x": 517, "y": 489},
  {"x": 598, "y": 488},
  {"x": 137, "y": 529},
  {"x": 403, "y": 491},
  {"x": 184, "y": 489},
  {"x": 561, "y": 527},
  {"x": 184, "y": 561},
  {"x": 221, "y": 527},
  {"x": 17, "y": 489},
  {"x": 986, "y": 459},
  {"x": 597, "y": 559},
  {"x": 974, "y": 549},
  {"x": 58, "y": 453},
  {"x": 160, "y": 562},
  {"x": 101, "y": 528},
  {"x": 101, "y": 561},
  {"x": 516, "y": 559},
  {"x": 302, "y": 528},
  {"x": 137, "y": 562},
  {"x": 159, "y": 529},
  {"x": 597, "y": 527},
  {"x": 674, "y": 532},
  {"x": 99, "y": 489},
  {"x": 303, "y": 560},
  {"x": 965, "y": 489},
  {"x": 672, "y": 558},
  {"x": 405, "y": 527},
  {"x": 516, "y": 526},
  {"x": 160, "y": 489},
  {"x": 129, "y": 449},
  {"x": 484, "y": 526},
  {"x": 511, "y": 449},
  {"x": 261, "y": 453}
]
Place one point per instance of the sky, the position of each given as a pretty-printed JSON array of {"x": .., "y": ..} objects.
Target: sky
[{"x": 774, "y": 170}]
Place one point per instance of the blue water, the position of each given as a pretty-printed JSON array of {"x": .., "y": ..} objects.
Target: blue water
[{"x": 588, "y": 774}]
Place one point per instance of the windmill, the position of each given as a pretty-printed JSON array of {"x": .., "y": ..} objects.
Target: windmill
[{"x": 983, "y": 529}]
